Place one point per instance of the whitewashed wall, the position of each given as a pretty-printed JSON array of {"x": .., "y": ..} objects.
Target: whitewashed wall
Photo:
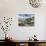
[{"x": 11, "y": 8}]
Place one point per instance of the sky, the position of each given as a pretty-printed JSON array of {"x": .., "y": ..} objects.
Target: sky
[{"x": 25, "y": 16}]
